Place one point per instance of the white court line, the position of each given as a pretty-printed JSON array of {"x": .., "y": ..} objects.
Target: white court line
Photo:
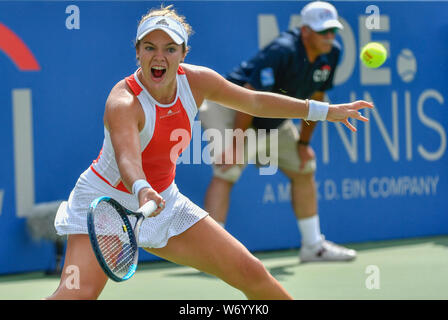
[{"x": 23, "y": 151}]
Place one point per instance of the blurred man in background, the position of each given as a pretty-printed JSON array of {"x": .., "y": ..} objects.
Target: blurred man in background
[{"x": 300, "y": 63}]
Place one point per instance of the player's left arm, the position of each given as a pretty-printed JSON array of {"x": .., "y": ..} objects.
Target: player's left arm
[
  {"x": 308, "y": 127},
  {"x": 208, "y": 84},
  {"x": 305, "y": 151}
]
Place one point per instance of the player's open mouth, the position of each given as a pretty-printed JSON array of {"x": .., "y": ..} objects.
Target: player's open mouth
[{"x": 158, "y": 72}]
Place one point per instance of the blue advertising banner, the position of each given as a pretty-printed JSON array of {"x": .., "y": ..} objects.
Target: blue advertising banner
[{"x": 59, "y": 60}]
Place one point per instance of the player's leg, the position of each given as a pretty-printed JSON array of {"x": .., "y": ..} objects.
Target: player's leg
[
  {"x": 82, "y": 277},
  {"x": 211, "y": 249}
]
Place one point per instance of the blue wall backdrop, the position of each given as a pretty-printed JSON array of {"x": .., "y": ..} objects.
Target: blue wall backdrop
[{"x": 388, "y": 181}]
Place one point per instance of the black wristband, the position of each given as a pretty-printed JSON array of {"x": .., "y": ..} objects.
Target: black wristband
[{"x": 305, "y": 143}]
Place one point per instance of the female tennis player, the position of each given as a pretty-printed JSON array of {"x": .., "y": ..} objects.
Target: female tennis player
[{"x": 137, "y": 163}]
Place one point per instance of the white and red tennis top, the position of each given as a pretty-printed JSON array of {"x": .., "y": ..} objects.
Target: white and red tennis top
[{"x": 166, "y": 134}]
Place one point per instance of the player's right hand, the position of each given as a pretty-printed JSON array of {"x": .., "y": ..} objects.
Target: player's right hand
[{"x": 148, "y": 194}]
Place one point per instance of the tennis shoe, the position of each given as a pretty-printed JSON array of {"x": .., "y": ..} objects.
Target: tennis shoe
[{"x": 326, "y": 250}]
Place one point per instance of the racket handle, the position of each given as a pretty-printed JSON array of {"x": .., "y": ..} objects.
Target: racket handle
[{"x": 148, "y": 208}]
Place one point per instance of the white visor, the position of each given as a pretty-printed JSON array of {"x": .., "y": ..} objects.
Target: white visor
[{"x": 172, "y": 27}]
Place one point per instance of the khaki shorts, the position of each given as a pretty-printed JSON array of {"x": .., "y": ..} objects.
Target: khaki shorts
[{"x": 282, "y": 151}]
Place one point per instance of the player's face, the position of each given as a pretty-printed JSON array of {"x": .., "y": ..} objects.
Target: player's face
[
  {"x": 323, "y": 41},
  {"x": 159, "y": 58}
]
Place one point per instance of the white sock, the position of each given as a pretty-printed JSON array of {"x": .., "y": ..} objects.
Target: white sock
[{"x": 310, "y": 230}]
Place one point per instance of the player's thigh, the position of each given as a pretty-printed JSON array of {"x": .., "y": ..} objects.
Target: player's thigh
[
  {"x": 82, "y": 273},
  {"x": 208, "y": 247}
]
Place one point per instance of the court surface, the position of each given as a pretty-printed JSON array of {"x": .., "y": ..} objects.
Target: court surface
[{"x": 399, "y": 269}]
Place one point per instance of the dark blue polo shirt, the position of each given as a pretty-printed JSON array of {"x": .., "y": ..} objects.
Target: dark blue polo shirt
[{"x": 283, "y": 67}]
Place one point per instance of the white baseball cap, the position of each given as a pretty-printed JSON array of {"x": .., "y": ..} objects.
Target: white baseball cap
[
  {"x": 172, "y": 27},
  {"x": 319, "y": 16}
]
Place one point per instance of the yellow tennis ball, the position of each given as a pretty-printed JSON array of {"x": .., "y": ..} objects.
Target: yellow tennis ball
[{"x": 373, "y": 55}]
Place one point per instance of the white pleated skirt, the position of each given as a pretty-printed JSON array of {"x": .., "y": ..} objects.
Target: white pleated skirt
[{"x": 180, "y": 213}]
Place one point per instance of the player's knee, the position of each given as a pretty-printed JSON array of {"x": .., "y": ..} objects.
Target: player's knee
[
  {"x": 84, "y": 287},
  {"x": 89, "y": 292},
  {"x": 253, "y": 272}
]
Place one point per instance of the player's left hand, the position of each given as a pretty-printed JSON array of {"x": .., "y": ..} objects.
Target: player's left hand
[{"x": 342, "y": 112}]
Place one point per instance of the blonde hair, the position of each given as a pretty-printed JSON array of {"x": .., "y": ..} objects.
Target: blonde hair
[{"x": 167, "y": 11}]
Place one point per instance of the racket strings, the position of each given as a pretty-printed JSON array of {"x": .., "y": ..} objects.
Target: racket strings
[
  {"x": 116, "y": 252},
  {"x": 113, "y": 239}
]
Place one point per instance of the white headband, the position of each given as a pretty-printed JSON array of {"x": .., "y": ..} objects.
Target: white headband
[{"x": 171, "y": 26}]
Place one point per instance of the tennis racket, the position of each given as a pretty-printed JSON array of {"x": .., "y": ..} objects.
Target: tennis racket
[{"x": 114, "y": 238}]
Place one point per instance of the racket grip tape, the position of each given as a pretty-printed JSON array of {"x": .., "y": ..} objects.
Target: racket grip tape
[{"x": 148, "y": 208}]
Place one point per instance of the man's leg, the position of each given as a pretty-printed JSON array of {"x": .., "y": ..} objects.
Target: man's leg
[
  {"x": 304, "y": 201},
  {"x": 216, "y": 119},
  {"x": 217, "y": 199}
]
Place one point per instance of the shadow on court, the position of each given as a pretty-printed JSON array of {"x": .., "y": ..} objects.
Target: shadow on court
[
  {"x": 283, "y": 271},
  {"x": 285, "y": 261},
  {"x": 17, "y": 277},
  {"x": 441, "y": 240},
  {"x": 279, "y": 272}
]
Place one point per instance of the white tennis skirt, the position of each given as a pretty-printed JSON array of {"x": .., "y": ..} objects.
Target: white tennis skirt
[{"x": 180, "y": 213}]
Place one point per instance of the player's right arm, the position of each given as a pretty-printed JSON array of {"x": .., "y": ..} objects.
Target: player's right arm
[{"x": 124, "y": 118}]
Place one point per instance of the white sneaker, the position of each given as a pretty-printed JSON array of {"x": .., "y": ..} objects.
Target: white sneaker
[{"x": 326, "y": 251}]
